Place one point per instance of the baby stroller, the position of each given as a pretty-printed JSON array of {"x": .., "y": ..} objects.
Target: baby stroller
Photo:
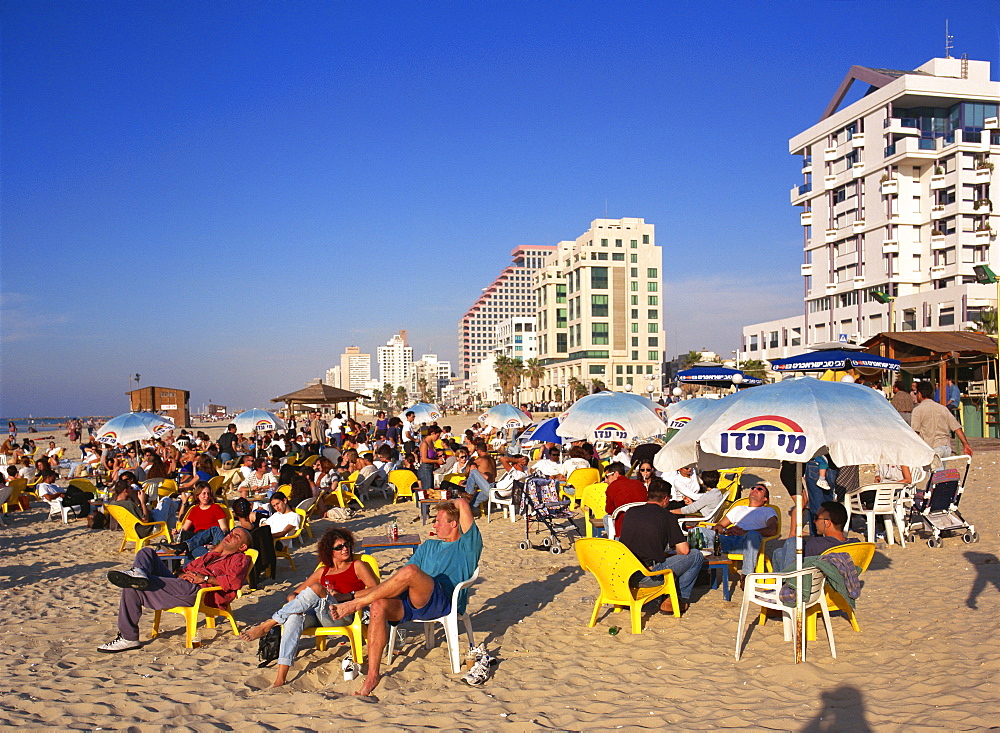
[
  {"x": 935, "y": 508},
  {"x": 540, "y": 505}
]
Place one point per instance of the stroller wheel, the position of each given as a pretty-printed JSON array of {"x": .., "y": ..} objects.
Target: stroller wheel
[
  {"x": 968, "y": 538},
  {"x": 975, "y": 537},
  {"x": 934, "y": 542},
  {"x": 522, "y": 545},
  {"x": 546, "y": 541},
  {"x": 909, "y": 537},
  {"x": 555, "y": 549}
]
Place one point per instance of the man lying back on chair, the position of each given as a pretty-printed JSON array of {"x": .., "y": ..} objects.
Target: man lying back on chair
[{"x": 420, "y": 590}]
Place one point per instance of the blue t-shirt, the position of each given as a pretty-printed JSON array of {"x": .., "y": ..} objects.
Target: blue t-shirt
[{"x": 457, "y": 560}]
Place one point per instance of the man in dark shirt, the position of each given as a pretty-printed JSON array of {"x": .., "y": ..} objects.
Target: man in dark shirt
[
  {"x": 830, "y": 521},
  {"x": 620, "y": 491},
  {"x": 227, "y": 444},
  {"x": 648, "y": 531}
]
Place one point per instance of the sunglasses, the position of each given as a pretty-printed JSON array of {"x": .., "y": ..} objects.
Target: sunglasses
[
  {"x": 645, "y": 470},
  {"x": 342, "y": 546}
]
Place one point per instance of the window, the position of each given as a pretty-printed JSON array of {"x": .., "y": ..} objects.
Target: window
[
  {"x": 618, "y": 256},
  {"x": 653, "y": 299},
  {"x": 633, "y": 258},
  {"x": 946, "y": 316},
  {"x": 645, "y": 239},
  {"x": 618, "y": 243},
  {"x": 635, "y": 314},
  {"x": 650, "y": 272},
  {"x": 560, "y": 293},
  {"x": 633, "y": 244},
  {"x": 653, "y": 356},
  {"x": 652, "y": 328},
  {"x": 634, "y": 327},
  {"x": 619, "y": 381},
  {"x": 596, "y": 369},
  {"x": 634, "y": 299},
  {"x": 599, "y": 333},
  {"x": 560, "y": 318},
  {"x": 618, "y": 369},
  {"x": 635, "y": 357},
  {"x": 652, "y": 286},
  {"x": 753, "y": 343},
  {"x": 604, "y": 243},
  {"x": 561, "y": 343},
  {"x": 599, "y": 306},
  {"x": 652, "y": 314},
  {"x": 633, "y": 272},
  {"x": 633, "y": 286},
  {"x": 635, "y": 340},
  {"x": 652, "y": 341},
  {"x": 599, "y": 278}
]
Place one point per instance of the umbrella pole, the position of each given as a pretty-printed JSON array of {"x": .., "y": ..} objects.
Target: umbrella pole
[{"x": 800, "y": 601}]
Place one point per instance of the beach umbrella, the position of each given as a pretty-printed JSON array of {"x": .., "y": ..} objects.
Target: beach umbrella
[
  {"x": 833, "y": 359},
  {"x": 610, "y": 416},
  {"x": 133, "y": 426},
  {"x": 543, "y": 432},
  {"x": 716, "y": 375},
  {"x": 505, "y": 416},
  {"x": 256, "y": 420},
  {"x": 422, "y": 412},
  {"x": 679, "y": 414},
  {"x": 656, "y": 408}
]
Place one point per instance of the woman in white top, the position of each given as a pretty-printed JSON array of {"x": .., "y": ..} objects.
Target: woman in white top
[{"x": 259, "y": 481}]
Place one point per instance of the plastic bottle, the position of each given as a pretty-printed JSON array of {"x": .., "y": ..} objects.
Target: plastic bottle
[{"x": 394, "y": 531}]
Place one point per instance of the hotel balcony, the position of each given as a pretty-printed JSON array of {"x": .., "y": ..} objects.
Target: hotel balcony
[
  {"x": 889, "y": 187},
  {"x": 799, "y": 192},
  {"x": 859, "y": 281},
  {"x": 858, "y": 225},
  {"x": 983, "y": 236},
  {"x": 992, "y": 123},
  {"x": 830, "y": 287},
  {"x": 806, "y": 218},
  {"x": 857, "y": 170},
  {"x": 937, "y": 181},
  {"x": 938, "y": 271},
  {"x": 830, "y": 154},
  {"x": 890, "y": 247},
  {"x": 806, "y": 270},
  {"x": 831, "y": 234},
  {"x": 901, "y": 126},
  {"x": 939, "y": 242},
  {"x": 912, "y": 148},
  {"x": 982, "y": 175},
  {"x": 858, "y": 141}
]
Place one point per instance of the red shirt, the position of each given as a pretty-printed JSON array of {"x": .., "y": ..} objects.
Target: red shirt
[
  {"x": 205, "y": 518},
  {"x": 623, "y": 491},
  {"x": 229, "y": 571}
]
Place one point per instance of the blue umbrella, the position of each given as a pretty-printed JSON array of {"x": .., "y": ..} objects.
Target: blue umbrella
[
  {"x": 716, "y": 375},
  {"x": 544, "y": 431},
  {"x": 835, "y": 359}
]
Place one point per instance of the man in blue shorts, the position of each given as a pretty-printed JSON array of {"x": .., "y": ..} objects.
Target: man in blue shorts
[{"x": 421, "y": 589}]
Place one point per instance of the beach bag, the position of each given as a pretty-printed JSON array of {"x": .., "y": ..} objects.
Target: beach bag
[{"x": 269, "y": 646}]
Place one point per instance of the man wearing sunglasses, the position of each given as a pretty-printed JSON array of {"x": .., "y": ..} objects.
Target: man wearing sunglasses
[
  {"x": 830, "y": 520},
  {"x": 744, "y": 527}
]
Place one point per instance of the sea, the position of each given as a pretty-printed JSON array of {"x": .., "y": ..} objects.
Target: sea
[{"x": 44, "y": 424}]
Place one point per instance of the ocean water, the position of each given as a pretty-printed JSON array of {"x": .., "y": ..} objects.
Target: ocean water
[{"x": 42, "y": 424}]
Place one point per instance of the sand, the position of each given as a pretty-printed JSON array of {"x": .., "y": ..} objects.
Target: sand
[{"x": 927, "y": 655}]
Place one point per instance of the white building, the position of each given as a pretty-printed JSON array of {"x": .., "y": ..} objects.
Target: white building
[
  {"x": 435, "y": 372},
  {"x": 510, "y": 295},
  {"x": 896, "y": 198},
  {"x": 355, "y": 369},
  {"x": 599, "y": 309},
  {"x": 332, "y": 377},
  {"x": 516, "y": 338},
  {"x": 395, "y": 362}
]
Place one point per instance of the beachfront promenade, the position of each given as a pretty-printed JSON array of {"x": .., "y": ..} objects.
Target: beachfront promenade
[{"x": 927, "y": 655}]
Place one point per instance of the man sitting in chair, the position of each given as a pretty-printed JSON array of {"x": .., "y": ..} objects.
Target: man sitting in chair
[
  {"x": 420, "y": 590},
  {"x": 711, "y": 497},
  {"x": 150, "y": 584},
  {"x": 649, "y": 530},
  {"x": 621, "y": 490},
  {"x": 744, "y": 528},
  {"x": 830, "y": 520}
]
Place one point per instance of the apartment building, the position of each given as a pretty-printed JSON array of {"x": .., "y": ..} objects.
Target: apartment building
[
  {"x": 516, "y": 338},
  {"x": 510, "y": 295},
  {"x": 600, "y": 312},
  {"x": 395, "y": 362},
  {"x": 896, "y": 207},
  {"x": 355, "y": 369},
  {"x": 435, "y": 372}
]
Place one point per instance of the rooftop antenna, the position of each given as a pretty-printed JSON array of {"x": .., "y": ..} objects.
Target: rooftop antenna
[{"x": 948, "y": 38}]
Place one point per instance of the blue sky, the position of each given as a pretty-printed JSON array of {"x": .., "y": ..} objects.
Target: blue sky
[{"x": 222, "y": 196}]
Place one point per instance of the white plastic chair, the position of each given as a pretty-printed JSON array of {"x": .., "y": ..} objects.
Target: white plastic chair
[
  {"x": 504, "y": 502},
  {"x": 708, "y": 517},
  {"x": 888, "y": 504},
  {"x": 763, "y": 589},
  {"x": 611, "y": 526},
  {"x": 5, "y": 493},
  {"x": 450, "y": 623}
]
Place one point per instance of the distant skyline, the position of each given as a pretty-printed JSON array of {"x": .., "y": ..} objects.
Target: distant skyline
[{"x": 221, "y": 197}]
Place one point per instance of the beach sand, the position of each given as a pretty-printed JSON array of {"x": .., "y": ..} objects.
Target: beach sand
[{"x": 927, "y": 655}]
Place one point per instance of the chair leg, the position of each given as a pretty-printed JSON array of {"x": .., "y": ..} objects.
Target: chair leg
[
  {"x": 635, "y": 611},
  {"x": 870, "y": 521},
  {"x": 467, "y": 621},
  {"x": 357, "y": 650},
  {"x": 451, "y": 636},
  {"x": 190, "y": 626},
  {"x": 597, "y": 610},
  {"x": 391, "y": 645},
  {"x": 156, "y": 625},
  {"x": 828, "y": 626},
  {"x": 744, "y": 607},
  {"x": 429, "y": 642}
]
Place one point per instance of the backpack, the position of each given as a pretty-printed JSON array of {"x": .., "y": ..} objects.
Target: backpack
[{"x": 269, "y": 645}]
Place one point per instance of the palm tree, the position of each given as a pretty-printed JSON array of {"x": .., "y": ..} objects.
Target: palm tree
[
  {"x": 987, "y": 321},
  {"x": 754, "y": 367},
  {"x": 423, "y": 389},
  {"x": 401, "y": 397},
  {"x": 378, "y": 398},
  {"x": 693, "y": 357},
  {"x": 576, "y": 388},
  {"x": 597, "y": 385},
  {"x": 508, "y": 373},
  {"x": 534, "y": 371}
]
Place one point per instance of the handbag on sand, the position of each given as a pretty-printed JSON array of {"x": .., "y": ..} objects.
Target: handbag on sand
[{"x": 269, "y": 645}]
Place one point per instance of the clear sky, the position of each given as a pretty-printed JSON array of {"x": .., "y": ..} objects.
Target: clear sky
[{"x": 222, "y": 196}]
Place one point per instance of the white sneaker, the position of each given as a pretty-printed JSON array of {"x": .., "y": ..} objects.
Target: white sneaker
[
  {"x": 823, "y": 484},
  {"x": 480, "y": 671},
  {"x": 134, "y": 578},
  {"x": 119, "y": 645},
  {"x": 475, "y": 652},
  {"x": 351, "y": 668}
]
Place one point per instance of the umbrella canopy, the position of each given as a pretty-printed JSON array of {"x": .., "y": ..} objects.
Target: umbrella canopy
[
  {"x": 793, "y": 421},
  {"x": 257, "y": 419},
  {"x": 543, "y": 432},
  {"x": 422, "y": 412},
  {"x": 657, "y": 409},
  {"x": 505, "y": 416},
  {"x": 835, "y": 359},
  {"x": 133, "y": 426},
  {"x": 680, "y": 413},
  {"x": 716, "y": 375},
  {"x": 610, "y": 416}
]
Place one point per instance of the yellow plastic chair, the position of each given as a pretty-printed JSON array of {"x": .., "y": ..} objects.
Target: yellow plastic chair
[
  {"x": 217, "y": 464},
  {"x": 356, "y": 632},
  {"x": 167, "y": 487},
  {"x": 222, "y": 505},
  {"x": 84, "y": 485},
  {"x": 613, "y": 564},
  {"x": 729, "y": 481},
  {"x": 286, "y": 547},
  {"x": 215, "y": 483},
  {"x": 291, "y": 460},
  {"x": 579, "y": 479},
  {"x": 763, "y": 561},
  {"x": 128, "y": 522},
  {"x": 190, "y": 613},
  {"x": 862, "y": 554},
  {"x": 310, "y": 460},
  {"x": 344, "y": 492},
  {"x": 17, "y": 486},
  {"x": 592, "y": 502},
  {"x": 403, "y": 481},
  {"x": 306, "y": 505}
]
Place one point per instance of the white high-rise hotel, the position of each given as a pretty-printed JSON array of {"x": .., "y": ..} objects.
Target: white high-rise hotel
[
  {"x": 896, "y": 198},
  {"x": 395, "y": 362}
]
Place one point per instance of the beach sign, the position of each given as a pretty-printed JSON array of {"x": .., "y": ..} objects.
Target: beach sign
[{"x": 763, "y": 436}]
